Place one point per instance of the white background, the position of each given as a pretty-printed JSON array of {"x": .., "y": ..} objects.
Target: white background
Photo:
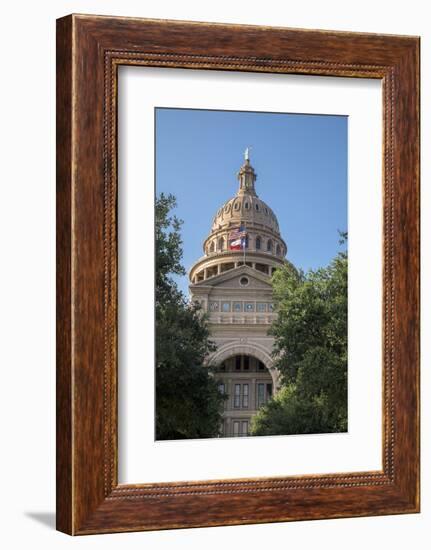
[
  {"x": 141, "y": 458},
  {"x": 27, "y": 122}
]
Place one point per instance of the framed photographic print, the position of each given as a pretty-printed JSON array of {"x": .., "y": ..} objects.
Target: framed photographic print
[{"x": 237, "y": 274}]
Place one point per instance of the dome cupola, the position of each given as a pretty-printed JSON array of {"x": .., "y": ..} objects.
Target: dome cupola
[{"x": 247, "y": 177}]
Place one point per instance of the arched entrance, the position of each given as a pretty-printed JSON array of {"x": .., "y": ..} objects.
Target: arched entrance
[
  {"x": 247, "y": 382},
  {"x": 246, "y": 348}
]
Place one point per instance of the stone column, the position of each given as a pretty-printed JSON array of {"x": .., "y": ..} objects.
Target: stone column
[
  {"x": 228, "y": 428},
  {"x": 218, "y": 269},
  {"x": 252, "y": 396},
  {"x": 205, "y": 273}
]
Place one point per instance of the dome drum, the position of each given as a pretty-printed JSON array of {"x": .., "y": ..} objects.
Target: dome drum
[
  {"x": 260, "y": 242},
  {"x": 210, "y": 266}
]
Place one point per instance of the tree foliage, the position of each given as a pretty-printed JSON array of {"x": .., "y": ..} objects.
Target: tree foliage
[
  {"x": 188, "y": 403},
  {"x": 310, "y": 350}
]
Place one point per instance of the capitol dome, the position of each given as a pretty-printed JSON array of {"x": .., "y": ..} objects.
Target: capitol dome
[
  {"x": 247, "y": 209},
  {"x": 263, "y": 248}
]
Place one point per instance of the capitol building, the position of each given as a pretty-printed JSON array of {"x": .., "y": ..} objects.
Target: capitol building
[{"x": 231, "y": 281}]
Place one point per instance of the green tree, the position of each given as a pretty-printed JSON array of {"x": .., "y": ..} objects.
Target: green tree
[
  {"x": 188, "y": 403},
  {"x": 310, "y": 350}
]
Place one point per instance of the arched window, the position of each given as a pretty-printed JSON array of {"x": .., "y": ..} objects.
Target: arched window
[
  {"x": 246, "y": 205},
  {"x": 257, "y": 207},
  {"x": 269, "y": 245},
  {"x": 221, "y": 243},
  {"x": 258, "y": 243},
  {"x": 212, "y": 247},
  {"x": 278, "y": 250}
]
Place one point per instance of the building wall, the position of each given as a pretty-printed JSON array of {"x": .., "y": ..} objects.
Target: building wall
[{"x": 239, "y": 319}]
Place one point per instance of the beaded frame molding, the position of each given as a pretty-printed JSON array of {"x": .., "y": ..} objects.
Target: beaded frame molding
[{"x": 89, "y": 51}]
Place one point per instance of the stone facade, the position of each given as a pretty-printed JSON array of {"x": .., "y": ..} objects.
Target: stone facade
[{"x": 233, "y": 286}]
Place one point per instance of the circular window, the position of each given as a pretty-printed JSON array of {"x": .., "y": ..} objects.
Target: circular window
[{"x": 243, "y": 281}]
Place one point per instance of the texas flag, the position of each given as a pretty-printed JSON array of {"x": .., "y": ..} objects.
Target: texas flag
[{"x": 237, "y": 238}]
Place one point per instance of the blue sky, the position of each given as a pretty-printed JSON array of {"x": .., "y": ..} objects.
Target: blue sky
[{"x": 301, "y": 166}]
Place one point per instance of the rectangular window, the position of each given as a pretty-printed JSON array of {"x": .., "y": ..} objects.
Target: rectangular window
[
  {"x": 237, "y": 396},
  {"x": 238, "y": 362},
  {"x": 237, "y": 306},
  {"x": 225, "y": 306},
  {"x": 244, "y": 428},
  {"x": 245, "y": 396},
  {"x": 268, "y": 391},
  {"x": 246, "y": 362},
  {"x": 236, "y": 428},
  {"x": 261, "y": 308},
  {"x": 260, "y": 395}
]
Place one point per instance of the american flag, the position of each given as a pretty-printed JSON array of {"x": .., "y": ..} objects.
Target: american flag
[{"x": 237, "y": 238}]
